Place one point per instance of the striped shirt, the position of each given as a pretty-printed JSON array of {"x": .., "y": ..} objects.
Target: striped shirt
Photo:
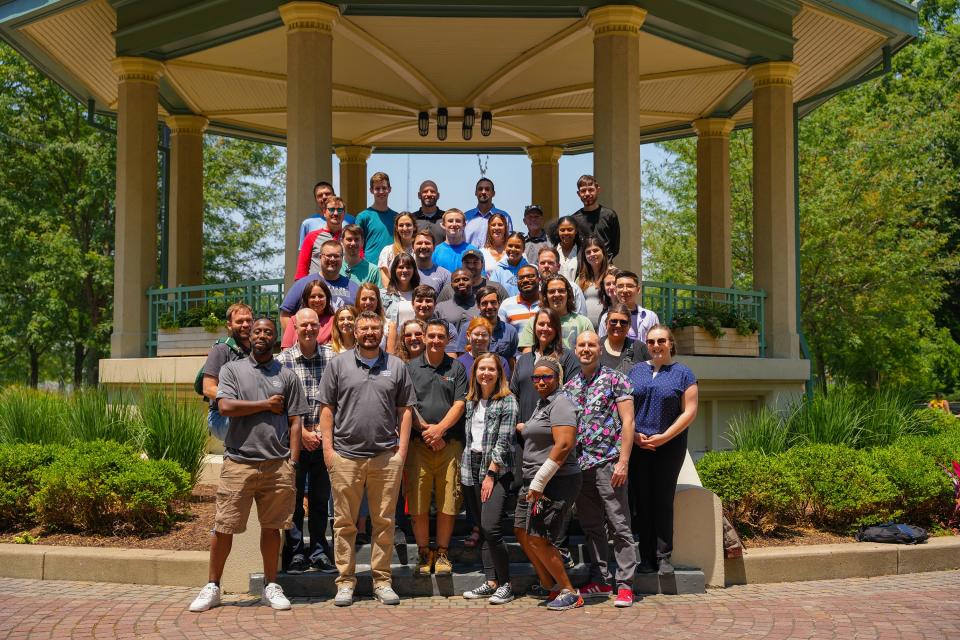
[
  {"x": 309, "y": 370},
  {"x": 515, "y": 311}
]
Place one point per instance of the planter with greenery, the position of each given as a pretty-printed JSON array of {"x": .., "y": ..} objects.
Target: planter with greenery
[
  {"x": 193, "y": 331},
  {"x": 715, "y": 330}
]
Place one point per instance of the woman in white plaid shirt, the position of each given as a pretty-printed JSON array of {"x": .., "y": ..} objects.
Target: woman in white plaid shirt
[{"x": 487, "y": 469}]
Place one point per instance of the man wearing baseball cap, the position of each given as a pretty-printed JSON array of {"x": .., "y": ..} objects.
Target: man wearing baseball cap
[{"x": 536, "y": 236}]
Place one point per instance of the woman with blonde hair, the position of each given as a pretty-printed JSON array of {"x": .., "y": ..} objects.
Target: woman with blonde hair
[
  {"x": 486, "y": 469},
  {"x": 341, "y": 334},
  {"x": 404, "y": 228}
]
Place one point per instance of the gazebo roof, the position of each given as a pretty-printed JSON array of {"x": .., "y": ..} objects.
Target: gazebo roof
[{"x": 529, "y": 62}]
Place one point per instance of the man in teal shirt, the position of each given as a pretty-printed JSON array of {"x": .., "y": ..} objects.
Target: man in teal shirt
[
  {"x": 376, "y": 221},
  {"x": 354, "y": 266}
]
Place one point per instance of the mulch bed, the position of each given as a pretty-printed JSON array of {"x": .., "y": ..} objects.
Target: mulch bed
[{"x": 793, "y": 537}]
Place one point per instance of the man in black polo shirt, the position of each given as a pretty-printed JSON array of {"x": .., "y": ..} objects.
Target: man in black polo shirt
[
  {"x": 433, "y": 465},
  {"x": 265, "y": 403}
]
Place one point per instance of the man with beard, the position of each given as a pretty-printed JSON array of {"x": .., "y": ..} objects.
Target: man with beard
[
  {"x": 429, "y": 215},
  {"x": 461, "y": 307},
  {"x": 235, "y": 347},
  {"x": 265, "y": 403}
]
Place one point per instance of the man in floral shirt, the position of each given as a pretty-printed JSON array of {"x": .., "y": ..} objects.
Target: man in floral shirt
[{"x": 605, "y": 439}]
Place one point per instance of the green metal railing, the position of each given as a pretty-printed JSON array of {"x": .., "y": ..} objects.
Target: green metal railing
[
  {"x": 668, "y": 299},
  {"x": 264, "y": 296}
]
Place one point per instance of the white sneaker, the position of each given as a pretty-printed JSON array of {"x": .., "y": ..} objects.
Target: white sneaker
[
  {"x": 344, "y": 597},
  {"x": 209, "y": 597},
  {"x": 273, "y": 595}
]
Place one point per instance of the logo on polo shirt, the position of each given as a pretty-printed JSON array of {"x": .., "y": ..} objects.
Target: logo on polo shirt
[{"x": 386, "y": 373}]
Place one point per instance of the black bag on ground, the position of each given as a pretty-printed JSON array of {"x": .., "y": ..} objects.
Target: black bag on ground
[{"x": 892, "y": 533}]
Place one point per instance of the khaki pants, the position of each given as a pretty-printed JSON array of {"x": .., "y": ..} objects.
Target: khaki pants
[{"x": 381, "y": 476}]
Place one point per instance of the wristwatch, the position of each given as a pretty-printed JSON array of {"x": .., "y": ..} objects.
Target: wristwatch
[{"x": 491, "y": 473}]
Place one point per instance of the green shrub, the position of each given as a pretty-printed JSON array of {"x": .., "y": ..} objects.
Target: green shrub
[
  {"x": 841, "y": 486},
  {"x": 105, "y": 487},
  {"x": 764, "y": 431},
  {"x": 28, "y": 415},
  {"x": 757, "y": 491},
  {"x": 20, "y": 467},
  {"x": 933, "y": 421},
  {"x": 924, "y": 492},
  {"x": 174, "y": 430}
]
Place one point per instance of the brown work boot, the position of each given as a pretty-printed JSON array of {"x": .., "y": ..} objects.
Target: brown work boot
[
  {"x": 424, "y": 561},
  {"x": 441, "y": 563}
]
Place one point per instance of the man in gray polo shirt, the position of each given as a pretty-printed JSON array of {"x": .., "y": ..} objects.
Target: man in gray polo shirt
[
  {"x": 365, "y": 394},
  {"x": 265, "y": 403}
]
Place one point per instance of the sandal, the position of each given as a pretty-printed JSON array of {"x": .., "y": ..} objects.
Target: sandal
[{"x": 473, "y": 540}]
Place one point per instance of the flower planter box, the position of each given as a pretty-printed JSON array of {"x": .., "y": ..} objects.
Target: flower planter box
[
  {"x": 187, "y": 341},
  {"x": 697, "y": 341}
]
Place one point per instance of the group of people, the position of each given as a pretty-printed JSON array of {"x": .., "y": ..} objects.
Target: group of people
[{"x": 469, "y": 365}]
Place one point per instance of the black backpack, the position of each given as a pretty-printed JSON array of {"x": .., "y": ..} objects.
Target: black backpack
[
  {"x": 234, "y": 347},
  {"x": 892, "y": 533}
]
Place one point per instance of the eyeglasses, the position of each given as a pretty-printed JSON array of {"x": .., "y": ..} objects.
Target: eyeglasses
[
  {"x": 544, "y": 378},
  {"x": 660, "y": 341},
  {"x": 335, "y": 209},
  {"x": 618, "y": 323}
]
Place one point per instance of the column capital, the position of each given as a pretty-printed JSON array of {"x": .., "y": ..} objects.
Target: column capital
[
  {"x": 767, "y": 74},
  {"x": 544, "y": 155},
  {"x": 616, "y": 19},
  {"x": 131, "y": 69},
  {"x": 353, "y": 153},
  {"x": 713, "y": 127},
  {"x": 309, "y": 16},
  {"x": 186, "y": 124}
]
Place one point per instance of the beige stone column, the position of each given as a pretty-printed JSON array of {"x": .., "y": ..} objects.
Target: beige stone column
[
  {"x": 714, "y": 268},
  {"x": 774, "y": 256},
  {"x": 185, "y": 262},
  {"x": 135, "y": 256},
  {"x": 616, "y": 131},
  {"x": 353, "y": 177},
  {"x": 309, "y": 112},
  {"x": 545, "y": 179}
]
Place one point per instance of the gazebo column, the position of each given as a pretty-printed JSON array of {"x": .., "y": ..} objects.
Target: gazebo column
[
  {"x": 774, "y": 251},
  {"x": 714, "y": 267},
  {"x": 135, "y": 256},
  {"x": 185, "y": 264},
  {"x": 616, "y": 130},
  {"x": 309, "y": 112},
  {"x": 545, "y": 179},
  {"x": 353, "y": 176}
]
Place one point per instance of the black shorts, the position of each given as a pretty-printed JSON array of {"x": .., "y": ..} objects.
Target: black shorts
[{"x": 552, "y": 513}]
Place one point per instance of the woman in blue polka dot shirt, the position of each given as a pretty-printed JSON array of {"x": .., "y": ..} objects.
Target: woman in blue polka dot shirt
[{"x": 665, "y": 397}]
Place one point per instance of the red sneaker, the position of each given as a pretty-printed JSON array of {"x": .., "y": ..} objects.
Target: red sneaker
[
  {"x": 596, "y": 591},
  {"x": 624, "y": 598}
]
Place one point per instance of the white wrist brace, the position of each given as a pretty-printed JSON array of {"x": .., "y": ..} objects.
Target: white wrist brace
[{"x": 546, "y": 471}]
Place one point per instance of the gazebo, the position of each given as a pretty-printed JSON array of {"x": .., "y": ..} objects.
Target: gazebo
[{"x": 544, "y": 78}]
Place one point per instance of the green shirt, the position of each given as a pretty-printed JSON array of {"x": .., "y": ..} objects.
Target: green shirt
[
  {"x": 571, "y": 325},
  {"x": 361, "y": 272}
]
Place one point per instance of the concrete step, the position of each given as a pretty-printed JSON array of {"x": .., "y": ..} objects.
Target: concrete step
[
  {"x": 462, "y": 556},
  {"x": 408, "y": 584}
]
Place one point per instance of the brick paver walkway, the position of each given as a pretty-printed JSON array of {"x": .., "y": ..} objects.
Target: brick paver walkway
[{"x": 912, "y": 606}]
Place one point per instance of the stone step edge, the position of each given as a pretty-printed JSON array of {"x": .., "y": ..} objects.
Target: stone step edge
[{"x": 758, "y": 566}]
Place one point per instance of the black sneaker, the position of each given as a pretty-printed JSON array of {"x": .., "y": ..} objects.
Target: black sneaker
[
  {"x": 400, "y": 545},
  {"x": 483, "y": 591},
  {"x": 567, "y": 558},
  {"x": 646, "y": 566},
  {"x": 323, "y": 564},
  {"x": 539, "y": 592},
  {"x": 298, "y": 564}
]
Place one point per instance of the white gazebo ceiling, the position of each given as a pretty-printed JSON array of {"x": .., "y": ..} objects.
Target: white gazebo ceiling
[{"x": 534, "y": 74}]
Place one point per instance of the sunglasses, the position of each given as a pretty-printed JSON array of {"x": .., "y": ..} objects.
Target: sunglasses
[
  {"x": 618, "y": 323},
  {"x": 335, "y": 209},
  {"x": 544, "y": 378},
  {"x": 660, "y": 341}
]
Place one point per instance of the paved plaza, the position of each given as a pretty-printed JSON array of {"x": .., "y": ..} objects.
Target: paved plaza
[{"x": 907, "y": 606}]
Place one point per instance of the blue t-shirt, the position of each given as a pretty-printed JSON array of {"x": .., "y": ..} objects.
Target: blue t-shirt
[
  {"x": 343, "y": 291},
  {"x": 436, "y": 276},
  {"x": 377, "y": 230},
  {"x": 657, "y": 399},
  {"x": 449, "y": 256}
]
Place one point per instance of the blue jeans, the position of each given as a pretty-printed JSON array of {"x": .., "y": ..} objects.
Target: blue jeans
[
  {"x": 311, "y": 466},
  {"x": 217, "y": 424}
]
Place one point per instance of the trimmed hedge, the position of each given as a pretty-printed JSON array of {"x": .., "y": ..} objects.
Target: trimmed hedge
[
  {"x": 89, "y": 487},
  {"x": 836, "y": 487}
]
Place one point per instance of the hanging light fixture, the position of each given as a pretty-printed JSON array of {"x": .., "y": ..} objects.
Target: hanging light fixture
[
  {"x": 486, "y": 123},
  {"x": 468, "y": 118},
  {"x": 442, "y": 117},
  {"x": 423, "y": 123}
]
